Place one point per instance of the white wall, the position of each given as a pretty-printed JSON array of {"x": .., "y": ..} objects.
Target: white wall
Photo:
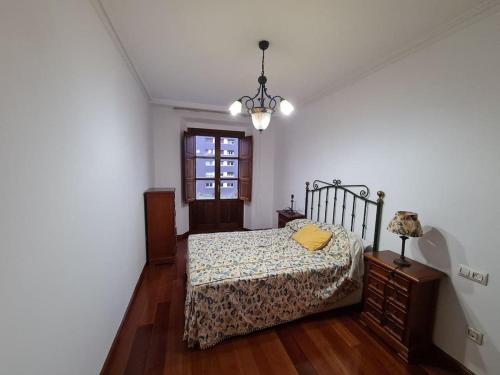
[
  {"x": 425, "y": 130},
  {"x": 74, "y": 160},
  {"x": 168, "y": 128}
]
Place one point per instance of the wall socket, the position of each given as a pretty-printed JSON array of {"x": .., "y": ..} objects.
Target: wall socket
[
  {"x": 474, "y": 275},
  {"x": 474, "y": 335}
]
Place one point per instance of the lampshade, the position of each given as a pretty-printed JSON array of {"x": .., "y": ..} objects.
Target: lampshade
[
  {"x": 260, "y": 117},
  {"x": 406, "y": 224},
  {"x": 286, "y": 107}
]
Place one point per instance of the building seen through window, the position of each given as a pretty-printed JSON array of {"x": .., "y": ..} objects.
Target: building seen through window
[{"x": 206, "y": 181}]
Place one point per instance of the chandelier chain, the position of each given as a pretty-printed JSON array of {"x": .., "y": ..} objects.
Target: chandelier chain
[{"x": 262, "y": 73}]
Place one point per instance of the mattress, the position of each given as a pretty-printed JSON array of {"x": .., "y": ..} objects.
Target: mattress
[{"x": 240, "y": 282}]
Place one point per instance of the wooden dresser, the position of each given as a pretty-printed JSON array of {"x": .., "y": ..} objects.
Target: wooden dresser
[
  {"x": 284, "y": 216},
  {"x": 399, "y": 303},
  {"x": 161, "y": 233}
]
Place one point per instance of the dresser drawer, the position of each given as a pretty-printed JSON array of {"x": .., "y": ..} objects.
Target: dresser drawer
[
  {"x": 395, "y": 313},
  {"x": 394, "y": 329},
  {"x": 373, "y": 312},
  {"x": 375, "y": 297},
  {"x": 400, "y": 282},
  {"x": 397, "y": 296},
  {"x": 379, "y": 271},
  {"x": 376, "y": 283}
]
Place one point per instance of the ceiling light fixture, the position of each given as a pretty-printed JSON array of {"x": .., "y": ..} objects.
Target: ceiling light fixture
[{"x": 259, "y": 110}]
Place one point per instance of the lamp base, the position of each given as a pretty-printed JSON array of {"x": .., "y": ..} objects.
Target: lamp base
[{"x": 401, "y": 261}]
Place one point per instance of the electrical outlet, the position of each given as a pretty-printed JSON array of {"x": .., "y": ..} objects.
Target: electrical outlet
[
  {"x": 480, "y": 277},
  {"x": 475, "y": 335},
  {"x": 464, "y": 271},
  {"x": 474, "y": 275}
]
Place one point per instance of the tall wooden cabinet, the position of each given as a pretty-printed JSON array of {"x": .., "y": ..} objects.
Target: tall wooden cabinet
[{"x": 161, "y": 233}]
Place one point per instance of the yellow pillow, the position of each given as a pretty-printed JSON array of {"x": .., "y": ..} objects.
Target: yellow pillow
[{"x": 311, "y": 237}]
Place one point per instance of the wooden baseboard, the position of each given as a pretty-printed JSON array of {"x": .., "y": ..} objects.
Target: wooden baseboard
[
  {"x": 117, "y": 335},
  {"x": 450, "y": 363}
]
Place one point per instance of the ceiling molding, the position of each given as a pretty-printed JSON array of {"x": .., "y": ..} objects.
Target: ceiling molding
[
  {"x": 188, "y": 105},
  {"x": 214, "y": 121},
  {"x": 484, "y": 9},
  {"x": 108, "y": 24}
]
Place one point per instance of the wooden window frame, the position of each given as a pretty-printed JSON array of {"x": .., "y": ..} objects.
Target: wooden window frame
[{"x": 218, "y": 157}]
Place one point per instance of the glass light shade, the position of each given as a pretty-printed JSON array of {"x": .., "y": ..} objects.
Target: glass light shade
[
  {"x": 235, "y": 108},
  {"x": 286, "y": 107},
  {"x": 261, "y": 117}
]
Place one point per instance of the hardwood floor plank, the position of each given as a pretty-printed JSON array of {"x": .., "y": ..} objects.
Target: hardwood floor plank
[
  {"x": 312, "y": 352},
  {"x": 297, "y": 356},
  {"x": 179, "y": 359},
  {"x": 353, "y": 358},
  {"x": 244, "y": 356},
  {"x": 158, "y": 344},
  {"x": 138, "y": 354},
  {"x": 346, "y": 336}
]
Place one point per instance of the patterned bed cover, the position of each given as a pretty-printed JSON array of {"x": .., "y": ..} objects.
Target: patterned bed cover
[{"x": 240, "y": 282}]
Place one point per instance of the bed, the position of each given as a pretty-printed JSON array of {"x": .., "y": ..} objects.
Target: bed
[{"x": 239, "y": 282}]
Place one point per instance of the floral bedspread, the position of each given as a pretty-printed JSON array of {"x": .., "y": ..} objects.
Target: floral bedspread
[{"x": 240, "y": 282}]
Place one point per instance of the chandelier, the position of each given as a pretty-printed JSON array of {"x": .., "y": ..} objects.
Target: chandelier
[{"x": 261, "y": 106}]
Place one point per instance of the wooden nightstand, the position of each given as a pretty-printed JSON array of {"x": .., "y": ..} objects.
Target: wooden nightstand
[
  {"x": 284, "y": 216},
  {"x": 399, "y": 303}
]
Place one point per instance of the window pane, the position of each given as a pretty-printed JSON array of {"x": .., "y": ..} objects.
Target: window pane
[
  {"x": 205, "y": 189},
  {"x": 205, "y": 168},
  {"x": 228, "y": 189},
  {"x": 229, "y": 147},
  {"x": 229, "y": 168},
  {"x": 205, "y": 146}
]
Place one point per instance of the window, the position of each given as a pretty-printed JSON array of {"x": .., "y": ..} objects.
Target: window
[
  {"x": 229, "y": 189},
  {"x": 213, "y": 166},
  {"x": 206, "y": 186},
  {"x": 228, "y": 141},
  {"x": 205, "y": 190}
]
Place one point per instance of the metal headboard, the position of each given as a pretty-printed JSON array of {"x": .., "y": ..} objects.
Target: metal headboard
[{"x": 343, "y": 192}]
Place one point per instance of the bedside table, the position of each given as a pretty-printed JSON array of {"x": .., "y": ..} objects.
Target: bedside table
[
  {"x": 399, "y": 303},
  {"x": 284, "y": 216}
]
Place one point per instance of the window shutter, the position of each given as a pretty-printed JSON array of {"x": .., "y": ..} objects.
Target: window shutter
[
  {"x": 245, "y": 168},
  {"x": 189, "y": 167}
]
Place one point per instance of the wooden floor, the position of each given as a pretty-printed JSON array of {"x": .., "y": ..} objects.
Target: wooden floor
[{"x": 150, "y": 341}]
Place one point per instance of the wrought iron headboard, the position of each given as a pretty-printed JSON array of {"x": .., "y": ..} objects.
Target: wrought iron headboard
[{"x": 343, "y": 192}]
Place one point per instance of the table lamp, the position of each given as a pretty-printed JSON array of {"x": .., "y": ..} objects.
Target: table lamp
[{"x": 405, "y": 224}]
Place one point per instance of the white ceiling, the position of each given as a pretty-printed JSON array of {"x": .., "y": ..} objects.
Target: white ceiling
[{"x": 204, "y": 52}]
